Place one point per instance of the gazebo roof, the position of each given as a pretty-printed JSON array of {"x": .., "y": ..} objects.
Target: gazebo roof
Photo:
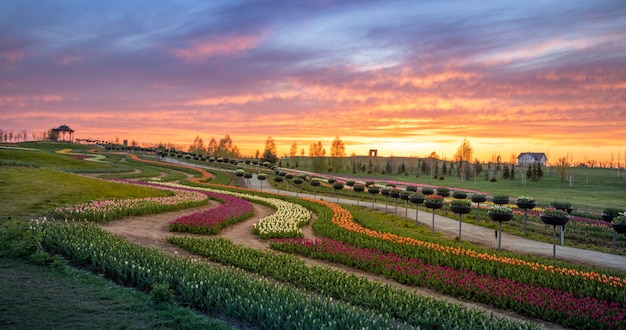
[{"x": 64, "y": 128}]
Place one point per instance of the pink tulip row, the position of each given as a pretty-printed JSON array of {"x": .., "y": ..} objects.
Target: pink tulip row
[
  {"x": 103, "y": 210},
  {"x": 530, "y": 299},
  {"x": 211, "y": 221}
]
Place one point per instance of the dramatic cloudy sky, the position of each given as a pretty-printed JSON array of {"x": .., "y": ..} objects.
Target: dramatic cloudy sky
[{"x": 403, "y": 77}]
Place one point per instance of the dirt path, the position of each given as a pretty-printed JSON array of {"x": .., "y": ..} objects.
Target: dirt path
[{"x": 152, "y": 230}]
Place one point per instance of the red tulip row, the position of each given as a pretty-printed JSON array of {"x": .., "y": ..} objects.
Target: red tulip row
[
  {"x": 530, "y": 299},
  {"x": 232, "y": 209}
]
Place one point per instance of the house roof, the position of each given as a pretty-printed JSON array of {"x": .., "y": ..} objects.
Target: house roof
[
  {"x": 64, "y": 128},
  {"x": 535, "y": 155}
]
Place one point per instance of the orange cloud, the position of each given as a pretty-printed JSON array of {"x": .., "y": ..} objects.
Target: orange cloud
[
  {"x": 243, "y": 99},
  {"x": 198, "y": 51}
]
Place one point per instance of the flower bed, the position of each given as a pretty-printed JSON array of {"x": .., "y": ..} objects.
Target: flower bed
[
  {"x": 285, "y": 222},
  {"x": 576, "y": 282},
  {"x": 256, "y": 301},
  {"x": 534, "y": 300},
  {"x": 343, "y": 219},
  {"x": 232, "y": 210},
  {"x": 107, "y": 210},
  {"x": 415, "y": 309}
]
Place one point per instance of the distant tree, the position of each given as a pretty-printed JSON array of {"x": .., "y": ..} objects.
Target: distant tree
[
  {"x": 269, "y": 153},
  {"x": 294, "y": 149},
  {"x": 317, "y": 153},
  {"x": 464, "y": 155},
  {"x": 539, "y": 170},
  {"x": 293, "y": 153},
  {"x": 478, "y": 167},
  {"x": 211, "y": 149},
  {"x": 505, "y": 173},
  {"x": 534, "y": 172},
  {"x": 338, "y": 152},
  {"x": 52, "y": 135},
  {"x": 198, "y": 146},
  {"x": 402, "y": 168},
  {"x": 226, "y": 148},
  {"x": 562, "y": 167},
  {"x": 512, "y": 172}
]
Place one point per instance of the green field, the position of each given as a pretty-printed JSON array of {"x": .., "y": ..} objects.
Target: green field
[
  {"x": 591, "y": 190},
  {"x": 30, "y": 192}
]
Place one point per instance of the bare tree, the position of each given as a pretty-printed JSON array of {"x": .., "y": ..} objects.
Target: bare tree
[{"x": 562, "y": 168}]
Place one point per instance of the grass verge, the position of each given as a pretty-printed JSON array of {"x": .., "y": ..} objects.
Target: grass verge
[{"x": 61, "y": 297}]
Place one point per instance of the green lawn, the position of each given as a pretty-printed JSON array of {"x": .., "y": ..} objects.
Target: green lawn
[
  {"x": 28, "y": 192},
  {"x": 61, "y": 297},
  {"x": 592, "y": 189}
]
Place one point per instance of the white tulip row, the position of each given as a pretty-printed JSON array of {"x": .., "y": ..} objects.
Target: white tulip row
[{"x": 285, "y": 222}]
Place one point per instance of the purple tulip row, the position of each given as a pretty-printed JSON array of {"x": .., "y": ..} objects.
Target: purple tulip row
[
  {"x": 231, "y": 210},
  {"x": 529, "y": 299}
]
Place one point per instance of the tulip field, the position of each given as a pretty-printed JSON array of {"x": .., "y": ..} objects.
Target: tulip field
[
  {"x": 233, "y": 292},
  {"x": 414, "y": 309},
  {"x": 574, "y": 297},
  {"x": 269, "y": 289}
]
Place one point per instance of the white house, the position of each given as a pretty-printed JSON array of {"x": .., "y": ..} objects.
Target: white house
[{"x": 528, "y": 158}]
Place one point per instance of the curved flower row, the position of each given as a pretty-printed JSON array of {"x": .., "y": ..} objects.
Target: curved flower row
[
  {"x": 205, "y": 175},
  {"x": 526, "y": 297},
  {"x": 226, "y": 291},
  {"x": 285, "y": 222},
  {"x": 232, "y": 209},
  {"x": 344, "y": 219},
  {"x": 105, "y": 210}
]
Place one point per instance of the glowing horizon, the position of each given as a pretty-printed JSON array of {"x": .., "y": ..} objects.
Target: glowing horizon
[{"x": 406, "y": 79}]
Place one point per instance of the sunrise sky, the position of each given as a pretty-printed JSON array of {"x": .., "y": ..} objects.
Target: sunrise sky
[{"x": 404, "y": 77}]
